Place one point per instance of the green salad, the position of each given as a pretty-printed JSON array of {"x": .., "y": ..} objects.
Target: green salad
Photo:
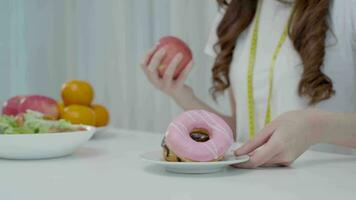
[{"x": 34, "y": 123}]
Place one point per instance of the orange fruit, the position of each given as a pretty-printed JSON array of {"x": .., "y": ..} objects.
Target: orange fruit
[
  {"x": 102, "y": 115},
  {"x": 77, "y": 92},
  {"x": 61, "y": 107},
  {"x": 78, "y": 114}
]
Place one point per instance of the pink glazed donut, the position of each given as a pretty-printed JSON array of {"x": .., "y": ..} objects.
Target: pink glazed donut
[{"x": 197, "y": 136}]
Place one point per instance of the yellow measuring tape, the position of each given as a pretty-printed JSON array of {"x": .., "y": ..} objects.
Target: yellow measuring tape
[{"x": 251, "y": 64}]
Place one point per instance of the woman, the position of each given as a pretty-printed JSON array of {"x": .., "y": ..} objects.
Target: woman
[{"x": 289, "y": 67}]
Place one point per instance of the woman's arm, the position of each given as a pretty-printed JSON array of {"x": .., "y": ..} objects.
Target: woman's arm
[
  {"x": 181, "y": 93},
  {"x": 336, "y": 128},
  {"x": 291, "y": 134},
  {"x": 190, "y": 101}
]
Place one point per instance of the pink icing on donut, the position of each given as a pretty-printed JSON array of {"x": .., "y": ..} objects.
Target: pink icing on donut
[{"x": 179, "y": 141}]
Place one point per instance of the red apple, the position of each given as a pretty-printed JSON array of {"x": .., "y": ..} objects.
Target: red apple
[
  {"x": 174, "y": 46},
  {"x": 42, "y": 104},
  {"x": 10, "y": 107}
]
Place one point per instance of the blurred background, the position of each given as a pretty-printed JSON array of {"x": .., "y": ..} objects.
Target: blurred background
[{"x": 44, "y": 43}]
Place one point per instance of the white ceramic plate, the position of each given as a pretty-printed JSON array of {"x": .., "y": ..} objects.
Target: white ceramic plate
[
  {"x": 155, "y": 157},
  {"x": 44, "y": 145}
]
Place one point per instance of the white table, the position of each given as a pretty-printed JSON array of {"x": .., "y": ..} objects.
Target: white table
[{"x": 108, "y": 167}]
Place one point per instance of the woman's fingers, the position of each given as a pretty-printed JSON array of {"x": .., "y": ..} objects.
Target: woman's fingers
[
  {"x": 279, "y": 160},
  {"x": 273, "y": 161},
  {"x": 151, "y": 76},
  {"x": 150, "y": 64},
  {"x": 262, "y": 155},
  {"x": 170, "y": 70},
  {"x": 152, "y": 61},
  {"x": 148, "y": 56},
  {"x": 258, "y": 141},
  {"x": 184, "y": 75},
  {"x": 252, "y": 153},
  {"x": 156, "y": 59}
]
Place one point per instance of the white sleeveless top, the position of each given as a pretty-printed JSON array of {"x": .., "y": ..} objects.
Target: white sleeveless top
[{"x": 339, "y": 65}]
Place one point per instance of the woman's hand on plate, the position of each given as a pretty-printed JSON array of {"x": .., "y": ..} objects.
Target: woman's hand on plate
[{"x": 282, "y": 141}]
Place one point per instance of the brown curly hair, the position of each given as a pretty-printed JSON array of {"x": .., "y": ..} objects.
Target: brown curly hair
[{"x": 307, "y": 31}]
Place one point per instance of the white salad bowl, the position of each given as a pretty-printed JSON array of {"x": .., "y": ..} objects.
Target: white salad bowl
[{"x": 43, "y": 145}]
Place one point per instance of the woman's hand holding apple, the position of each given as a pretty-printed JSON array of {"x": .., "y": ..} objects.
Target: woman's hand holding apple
[{"x": 167, "y": 66}]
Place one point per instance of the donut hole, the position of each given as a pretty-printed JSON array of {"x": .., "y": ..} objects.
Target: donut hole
[{"x": 200, "y": 135}]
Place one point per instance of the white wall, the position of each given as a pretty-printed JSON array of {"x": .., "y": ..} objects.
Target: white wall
[{"x": 46, "y": 42}]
